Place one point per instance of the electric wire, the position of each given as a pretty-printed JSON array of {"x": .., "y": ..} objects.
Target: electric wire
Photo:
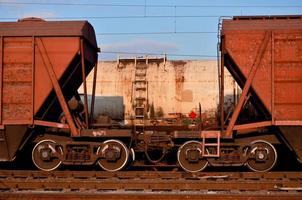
[
  {"x": 158, "y": 54},
  {"x": 122, "y": 17},
  {"x": 158, "y": 33},
  {"x": 148, "y": 5}
]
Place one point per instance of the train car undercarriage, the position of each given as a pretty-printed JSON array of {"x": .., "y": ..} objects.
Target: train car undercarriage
[{"x": 155, "y": 150}]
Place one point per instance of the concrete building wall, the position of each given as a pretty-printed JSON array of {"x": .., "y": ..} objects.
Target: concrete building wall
[{"x": 173, "y": 86}]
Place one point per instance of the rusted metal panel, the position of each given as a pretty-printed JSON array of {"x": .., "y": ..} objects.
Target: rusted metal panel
[
  {"x": 39, "y": 27},
  {"x": 53, "y": 77},
  {"x": 293, "y": 138},
  {"x": 243, "y": 46},
  {"x": 252, "y": 125},
  {"x": 84, "y": 83},
  {"x": 61, "y": 52},
  {"x": 278, "y": 81},
  {"x": 249, "y": 81},
  {"x": 221, "y": 86},
  {"x": 273, "y": 77},
  {"x": 62, "y": 40},
  {"x": 33, "y": 65},
  {"x": 1, "y": 75},
  {"x": 288, "y": 74},
  {"x": 51, "y": 124},
  {"x": 4, "y": 156},
  {"x": 17, "y": 80},
  {"x": 10, "y": 139},
  {"x": 260, "y": 24},
  {"x": 27, "y": 91}
]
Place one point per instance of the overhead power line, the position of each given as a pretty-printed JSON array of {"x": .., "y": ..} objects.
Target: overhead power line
[
  {"x": 138, "y": 33},
  {"x": 159, "y": 33},
  {"x": 122, "y": 17},
  {"x": 148, "y": 5},
  {"x": 159, "y": 54}
]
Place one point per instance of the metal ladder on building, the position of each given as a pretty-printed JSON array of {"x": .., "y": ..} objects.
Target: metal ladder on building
[
  {"x": 140, "y": 88},
  {"x": 211, "y": 139}
]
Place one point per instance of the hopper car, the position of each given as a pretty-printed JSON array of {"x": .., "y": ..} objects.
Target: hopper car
[{"x": 43, "y": 63}]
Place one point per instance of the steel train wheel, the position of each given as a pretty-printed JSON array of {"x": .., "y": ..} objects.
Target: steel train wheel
[
  {"x": 114, "y": 155},
  {"x": 45, "y": 155},
  {"x": 263, "y": 156},
  {"x": 189, "y": 157}
]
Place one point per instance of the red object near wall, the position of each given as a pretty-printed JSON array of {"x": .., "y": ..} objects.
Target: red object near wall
[{"x": 192, "y": 115}]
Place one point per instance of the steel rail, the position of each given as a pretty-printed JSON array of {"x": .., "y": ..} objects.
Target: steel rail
[{"x": 135, "y": 183}]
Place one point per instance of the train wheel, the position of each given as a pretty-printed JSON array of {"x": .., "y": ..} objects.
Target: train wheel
[
  {"x": 263, "y": 156},
  {"x": 45, "y": 155},
  {"x": 189, "y": 157},
  {"x": 114, "y": 155}
]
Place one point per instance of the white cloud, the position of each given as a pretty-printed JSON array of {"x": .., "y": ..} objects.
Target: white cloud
[{"x": 138, "y": 46}]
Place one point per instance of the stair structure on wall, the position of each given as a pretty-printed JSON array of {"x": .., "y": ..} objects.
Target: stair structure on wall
[
  {"x": 140, "y": 88},
  {"x": 140, "y": 101}
]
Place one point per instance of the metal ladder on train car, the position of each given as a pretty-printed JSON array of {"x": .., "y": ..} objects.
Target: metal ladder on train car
[
  {"x": 140, "y": 89},
  {"x": 210, "y": 139}
]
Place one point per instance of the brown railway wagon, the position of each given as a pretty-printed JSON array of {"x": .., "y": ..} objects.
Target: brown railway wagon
[
  {"x": 44, "y": 63},
  {"x": 264, "y": 55},
  {"x": 40, "y": 70}
]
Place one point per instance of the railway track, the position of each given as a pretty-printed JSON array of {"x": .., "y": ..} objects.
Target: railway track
[{"x": 121, "y": 185}]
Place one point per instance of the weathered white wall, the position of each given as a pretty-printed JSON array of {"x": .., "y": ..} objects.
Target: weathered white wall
[{"x": 175, "y": 86}]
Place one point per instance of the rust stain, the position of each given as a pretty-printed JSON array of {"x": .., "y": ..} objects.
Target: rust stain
[
  {"x": 178, "y": 62},
  {"x": 187, "y": 96},
  {"x": 179, "y": 67}
]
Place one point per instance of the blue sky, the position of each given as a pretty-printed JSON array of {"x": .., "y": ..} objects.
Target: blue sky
[{"x": 177, "y": 45}]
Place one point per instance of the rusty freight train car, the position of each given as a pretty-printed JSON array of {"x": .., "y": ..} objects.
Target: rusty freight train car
[
  {"x": 264, "y": 56},
  {"x": 43, "y": 63},
  {"x": 38, "y": 63}
]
